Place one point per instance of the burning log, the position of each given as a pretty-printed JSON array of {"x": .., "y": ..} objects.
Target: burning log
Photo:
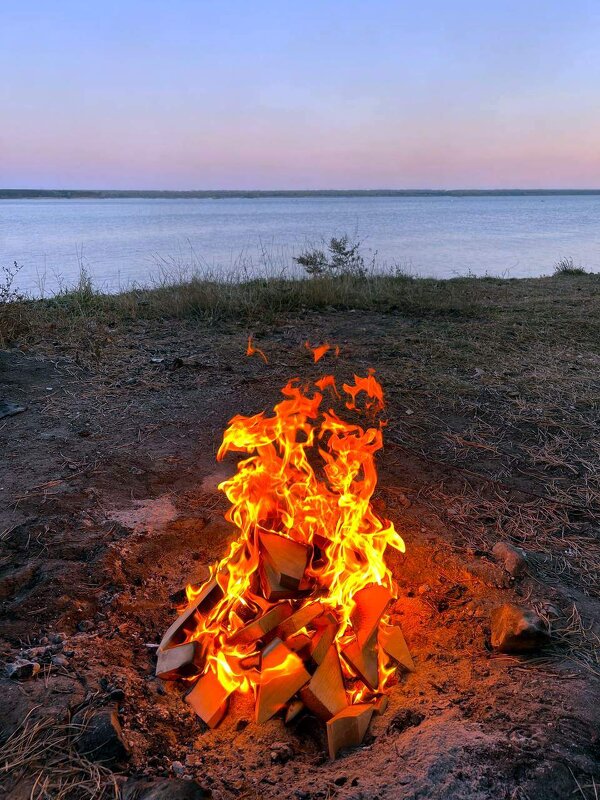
[
  {"x": 181, "y": 661},
  {"x": 282, "y": 675},
  {"x": 262, "y": 626},
  {"x": 325, "y": 695},
  {"x": 187, "y": 622},
  {"x": 392, "y": 641},
  {"x": 286, "y": 558},
  {"x": 297, "y": 610},
  {"x": 209, "y": 698},
  {"x": 363, "y": 660}
]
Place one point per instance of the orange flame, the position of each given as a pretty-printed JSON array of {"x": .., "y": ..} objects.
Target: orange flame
[
  {"x": 251, "y": 350},
  {"x": 308, "y": 476},
  {"x": 320, "y": 350}
]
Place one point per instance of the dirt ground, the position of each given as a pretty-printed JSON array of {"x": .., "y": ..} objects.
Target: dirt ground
[{"x": 108, "y": 506}]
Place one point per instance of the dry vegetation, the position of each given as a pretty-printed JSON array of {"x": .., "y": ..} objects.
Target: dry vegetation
[{"x": 494, "y": 397}]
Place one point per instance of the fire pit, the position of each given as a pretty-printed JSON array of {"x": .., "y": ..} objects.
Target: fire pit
[{"x": 296, "y": 612}]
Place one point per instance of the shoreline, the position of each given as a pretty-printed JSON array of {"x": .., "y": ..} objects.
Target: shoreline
[{"x": 253, "y": 194}]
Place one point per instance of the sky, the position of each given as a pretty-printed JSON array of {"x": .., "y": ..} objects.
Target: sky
[{"x": 299, "y": 94}]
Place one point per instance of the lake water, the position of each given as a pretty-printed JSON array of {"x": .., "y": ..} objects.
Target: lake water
[{"x": 128, "y": 241}]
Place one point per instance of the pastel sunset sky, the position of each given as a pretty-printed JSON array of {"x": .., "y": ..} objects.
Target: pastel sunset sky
[{"x": 192, "y": 94}]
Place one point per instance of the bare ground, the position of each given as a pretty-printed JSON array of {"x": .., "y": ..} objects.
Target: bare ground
[{"x": 109, "y": 505}]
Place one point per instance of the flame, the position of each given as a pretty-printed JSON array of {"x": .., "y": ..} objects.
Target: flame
[
  {"x": 251, "y": 350},
  {"x": 320, "y": 350},
  {"x": 309, "y": 476}
]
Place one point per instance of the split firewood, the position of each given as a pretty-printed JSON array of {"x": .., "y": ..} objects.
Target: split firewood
[
  {"x": 392, "y": 641},
  {"x": 369, "y": 605},
  {"x": 181, "y": 661},
  {"x": 325, "y": 695},
  {"x": 348, "y": 727},
  {"x": 263, "y": 625},
  {"x": 287, "y": 558},
  {"x": 326, "y": 629},
  {"x": 380, "y": 704},
  {"x": 187, "y": 622},
  {"x": 209, "y": 698},
  {"x": 362, "y": 659},
  {"x": 282, "y": 674},
  {"x": 300, "y": 619}
]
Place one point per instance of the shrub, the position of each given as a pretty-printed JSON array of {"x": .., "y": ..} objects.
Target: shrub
[
  {"x": 342, "y": 257},
  {"x": 7, "y": 279},
  {"x": 566, "y": 266}
]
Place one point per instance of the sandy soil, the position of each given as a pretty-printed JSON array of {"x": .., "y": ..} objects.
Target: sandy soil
[{"x": 109, "y": 506}]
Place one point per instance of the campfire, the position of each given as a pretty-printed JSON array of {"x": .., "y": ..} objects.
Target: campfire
[{"x": 297, "y": 611}]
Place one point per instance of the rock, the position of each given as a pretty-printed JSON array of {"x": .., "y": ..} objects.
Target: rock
[
  {"x": 101, "y": 737},
  {"x": 177, "y": 768},
  {"x": 8, "y": 409},
  {"x": 85, "y": 625},
  {"x": 163, "y": 789},
  {"x": 512, "y": 558},
  {"x": 281, "y": 752},
  {"x": 21, "y": 668},
  {"x": 36, "y": 653},
  {"x": 60, "y": 661},
  {"x": 518, "y": 630}
]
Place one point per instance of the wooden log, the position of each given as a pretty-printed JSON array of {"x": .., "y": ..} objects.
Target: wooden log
[
  {"x": 299, "y": 619},
  {"x": 392, "y": 641},
  {"x": 287, "y": 558},
  {"x": 348, "y": 727},
  {"x": 327, "y": 627},
  {"x": 181, "y": 661},
  {"x": 282, "y": 675},
  {"x": 380, "y": 704},
  {"x": 270, "y": 586},
  {"x": 362, "y": 658},
  {"x": 209, "y": 698},
  {"x": 325, "y": 695},
  {"x": 369, "y": 605},
  {"x": 262, "y": 625},
  {"x": 187, "y": 622}
]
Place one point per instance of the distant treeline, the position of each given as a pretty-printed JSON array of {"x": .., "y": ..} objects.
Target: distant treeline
[{"x": 221, "y": 194}]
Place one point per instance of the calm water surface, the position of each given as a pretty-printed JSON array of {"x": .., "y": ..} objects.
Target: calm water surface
[{"x": 128, "y": 241}]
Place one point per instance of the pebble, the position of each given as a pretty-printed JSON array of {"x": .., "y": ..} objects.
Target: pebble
[
  {"x": 518, "y": 630},
  {"x": 60, "y": 661},
  {"x": 21, "y": 669},
  {"x": 101, "y": 736},
  {"x": 512, "y": 558}
]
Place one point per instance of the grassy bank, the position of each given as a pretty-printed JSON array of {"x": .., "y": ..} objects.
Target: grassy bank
[{"x": 559, "y": 306}]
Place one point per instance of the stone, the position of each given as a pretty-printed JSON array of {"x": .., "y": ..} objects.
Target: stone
[
  {"x": 512, "y": 558},
  {"x": 163, "y": 789},
  {"x": 60, "y": 661},
  {"x": 21, "y": 668},
  {"x": 100, "y": 737},
  {"x": 518, "y": 630}
]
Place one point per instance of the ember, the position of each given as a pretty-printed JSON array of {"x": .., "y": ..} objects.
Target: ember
[{"x": 297, "y": 611}]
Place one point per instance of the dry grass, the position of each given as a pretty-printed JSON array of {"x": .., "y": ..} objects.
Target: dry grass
[
  {"x": 41, "y": 754},
  {"x": 265, "y": 299}
]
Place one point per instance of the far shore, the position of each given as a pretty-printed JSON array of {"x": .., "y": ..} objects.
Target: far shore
[{"x": 225, "y": 194}]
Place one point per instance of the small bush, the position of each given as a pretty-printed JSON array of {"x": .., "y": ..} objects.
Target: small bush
[
  {"x": 566, "y": 266},
  {"x": 7, "y": 279},
  {"x": 343, "y": 258}
]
